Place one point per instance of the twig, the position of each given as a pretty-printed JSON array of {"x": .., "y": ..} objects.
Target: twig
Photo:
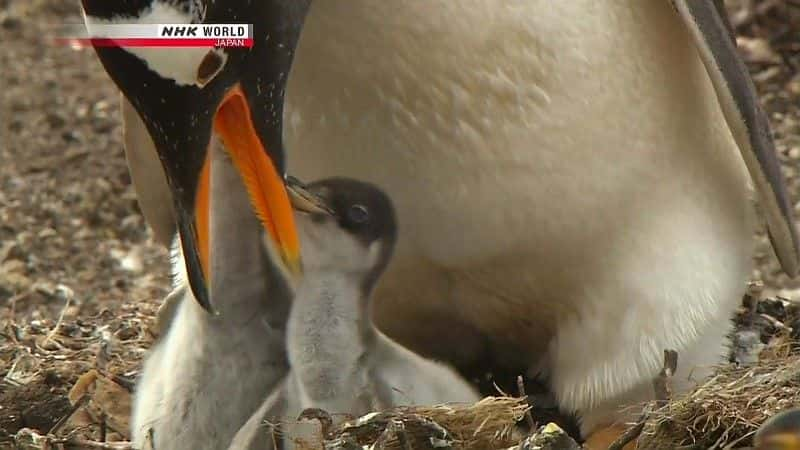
[
  {"x": 57, "y": 427},
  {"x": 774, "y": 322},
  {"x": 126, "y": 383},
  {"x": 395, "y": 429},
  {"x": 400, "y": 432},
  {"x": 150, "y": 441},
  {"x": 662, "y": 394},
  {"x": 273, "y": 434},
  {"x": 103, "y": 427},
  {"x": 521, "y": 392},
  {"x": 661, "y": 382},
  {"x": 630, "y": 434},
  {"x": 320, "y": 415},
  {"x": 103, "y": 355},
  {"x": 52, "y": 333},
  {"x": 85, "y": 443}
]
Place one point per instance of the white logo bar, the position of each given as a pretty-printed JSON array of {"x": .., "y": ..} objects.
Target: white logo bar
[
  {"x": 178, "y": 35},
  {"x": 171, "y": 30},
  {"x": 204, "y": 31}
]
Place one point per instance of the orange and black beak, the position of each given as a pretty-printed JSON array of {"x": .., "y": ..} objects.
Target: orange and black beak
[
  {"x": 238, "y": 97},
  {"x": 263, "y": 178}
]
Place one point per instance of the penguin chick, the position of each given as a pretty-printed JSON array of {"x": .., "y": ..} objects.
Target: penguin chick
[
  {"x": 209, "y": 372},
  {"x": 339, "y": 361}
]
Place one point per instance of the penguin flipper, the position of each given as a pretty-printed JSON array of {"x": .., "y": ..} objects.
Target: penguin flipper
[{"x": 707, "y": 23}]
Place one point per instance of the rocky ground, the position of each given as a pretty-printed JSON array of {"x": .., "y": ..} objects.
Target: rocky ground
[{"x": 80, "y": 277}]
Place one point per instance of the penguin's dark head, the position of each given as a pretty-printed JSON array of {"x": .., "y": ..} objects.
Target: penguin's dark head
[
  {"x": 357, "y": 235},
  {"x": 184, "y": 95}
]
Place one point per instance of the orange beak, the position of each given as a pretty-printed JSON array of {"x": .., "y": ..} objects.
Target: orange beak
[{"x": 265, "y": 186}]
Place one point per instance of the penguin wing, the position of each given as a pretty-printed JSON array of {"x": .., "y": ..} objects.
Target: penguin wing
[
  {"x": 147, "y": 175},
  {"x": 708, "y": 25}
]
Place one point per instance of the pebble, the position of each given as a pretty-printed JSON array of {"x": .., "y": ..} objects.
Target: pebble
[{"x": 10, "y": 22}]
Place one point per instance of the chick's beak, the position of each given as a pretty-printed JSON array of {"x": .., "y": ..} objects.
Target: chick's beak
[{"x": 305, "y": 201}]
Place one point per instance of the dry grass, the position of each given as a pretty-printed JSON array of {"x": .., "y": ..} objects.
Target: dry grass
[
  {"x": 46, "y": 357},
  {"x": 486, "y": 424},
  {"x": 727, "y": 409}
]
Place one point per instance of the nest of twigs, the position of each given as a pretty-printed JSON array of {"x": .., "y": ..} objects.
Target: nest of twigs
[
  {"x": 489, "y": 423},
  {"x": 727, "y": 409}
]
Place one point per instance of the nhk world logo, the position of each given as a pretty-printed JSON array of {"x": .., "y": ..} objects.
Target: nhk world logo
[{"x": 163, "y": 35}]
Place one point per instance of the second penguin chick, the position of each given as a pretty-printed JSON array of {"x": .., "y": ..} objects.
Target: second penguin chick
[{"x": 339, "y": 361}]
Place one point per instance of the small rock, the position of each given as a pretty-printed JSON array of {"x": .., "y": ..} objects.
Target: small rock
[
  {"x": 126, "y": 333},
  {"x": 102, "y": 125},
  {"x": 746, "y": 346},
  {"x": 548, "y": 437},
  {"x": 46, "y": 233},
  {"x": 24, "y": 370},
  {"x": 28, "y": 439},
  {"x": 12, "y": 282},
  {"x": 12, "y": 266},
  {"x": 757, "y": 50},
  {"x": 767, "y": 76},
  {"x": 56, "y": 120},
  {"x": 71, "y": 136},
  {"x": 45, "y": 288},
  {"x": 795, "y": 334},
  {"x": 793, "y": 86},
  {"x": 131, "y": 227},
  {"x": 772, "y": 307},
  {"x": 129, "y": 261},
  {"x": 102, "y": 185},
  {"x": 10, "y": 250},
  {"x": 9, "y": 22}
]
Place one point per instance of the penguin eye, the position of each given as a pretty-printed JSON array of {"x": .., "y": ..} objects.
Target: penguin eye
[{"x": 358, "y": 214}]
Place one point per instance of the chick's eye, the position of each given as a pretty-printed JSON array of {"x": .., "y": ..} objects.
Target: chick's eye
[{"x": 358, "y": 214}]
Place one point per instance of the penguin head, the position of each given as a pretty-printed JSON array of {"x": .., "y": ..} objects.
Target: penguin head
[{"x": 356, "y": 235}]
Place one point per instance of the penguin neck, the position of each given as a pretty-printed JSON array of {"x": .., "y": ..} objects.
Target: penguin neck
[
  {"x": 329, "y": 331},
  {"x": 243, "y": 282}
]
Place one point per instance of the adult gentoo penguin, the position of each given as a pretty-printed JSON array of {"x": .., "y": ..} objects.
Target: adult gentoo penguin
[
  {"x": 209, "y": 372},
  {"x": 568, "y": 175}
]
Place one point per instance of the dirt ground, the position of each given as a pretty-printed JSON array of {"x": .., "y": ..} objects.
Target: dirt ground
[
  {"x": 81, "y": 278},
  {"x": 79, "y": 275}
]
